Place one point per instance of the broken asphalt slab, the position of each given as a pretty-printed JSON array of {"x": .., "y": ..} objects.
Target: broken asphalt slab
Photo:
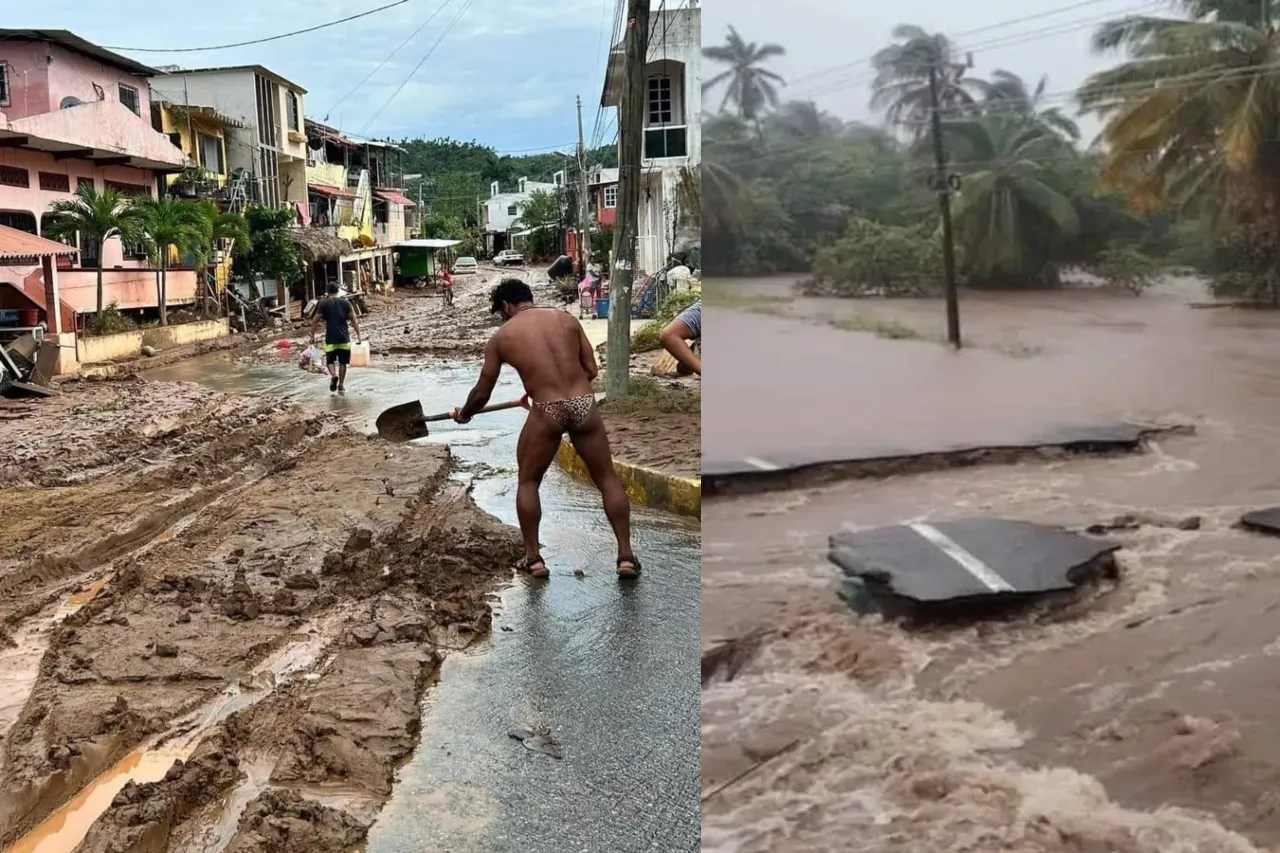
[
  {"x": 802, "y": 466},
  {"x": 968, "y": 561}
]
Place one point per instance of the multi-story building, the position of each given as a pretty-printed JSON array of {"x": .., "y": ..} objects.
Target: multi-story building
[
  {"x": 500, "y": 210},
  {"x": 602, "y": 195},
  {"x": 269, "y": 147},
  {"x": 672, "y": 130},
  {"x": 355, "y": 195},
  {"x": 73, "y": 113}
]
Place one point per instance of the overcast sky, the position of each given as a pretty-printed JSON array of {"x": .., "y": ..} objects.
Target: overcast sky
[
  {"x": 837, "y": 38},
  {"x": 506, "y": 75}
]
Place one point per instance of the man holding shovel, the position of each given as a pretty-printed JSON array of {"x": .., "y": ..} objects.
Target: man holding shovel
[
  {"x": 336, "y": 313},
  {"x": 550, "y": 351}
]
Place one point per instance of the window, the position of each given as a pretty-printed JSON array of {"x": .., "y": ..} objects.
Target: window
[
  {"x": 157, "y": 118},
  {"x": 512, "y": 210},
  {"x": 175, "y": 139},
  {"x": 660, "y": 100},
  {"x": 134, "y": 249},
  {"x": 12, "y": 176},
  {"x": 84, "y": 182},
  {"x": 665, "y": 142},
  {"x": 20, "y": 220},
  {"x": 126, "y": 189},
  {"x": 52, "y": 182},
  {"x": 610, "y": 197},
  {"x": 292, "y": 100},
  {"x": 4, "y": 85},
  {"x": 90, "y": 252},
  {"x": 211, "y": 153},
  {"x": 129, "y": 97}
]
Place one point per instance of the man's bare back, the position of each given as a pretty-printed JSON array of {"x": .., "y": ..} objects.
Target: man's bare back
[{"x": 550, "y": 351}]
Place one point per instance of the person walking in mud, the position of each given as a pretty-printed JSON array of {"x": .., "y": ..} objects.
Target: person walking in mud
[
  {"x": 550, "y": 351},
  {"x": 677, "y": 334},
  {"x": 336, "y": 313}
]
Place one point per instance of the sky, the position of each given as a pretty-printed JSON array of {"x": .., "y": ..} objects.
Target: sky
[
  {"x": 828, "y": 44},
  {"x": 506, "y": 75}
]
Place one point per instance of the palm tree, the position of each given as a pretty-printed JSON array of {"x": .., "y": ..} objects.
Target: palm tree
[
  {"x": 901, "y": 85},
  {"x": 1008, "y": 92},
  {"x": 95, "y": 217},
  {"x": 727, "y": 147},
  {"x": 1007, "y": 213},
  {"x": 750, "y": 87},
  {"x": 796, "y": 120},
  {"x": 1191, "y": 119},
  {"x": 168, "y": 223}
]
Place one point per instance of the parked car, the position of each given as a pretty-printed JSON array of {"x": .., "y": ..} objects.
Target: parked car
[
  {"x": 508, "y": 258},
  {"x": 465, "y": 264}
]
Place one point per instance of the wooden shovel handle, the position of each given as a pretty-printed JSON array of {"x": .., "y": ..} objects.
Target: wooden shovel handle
[{"x": 492, "y": 407}]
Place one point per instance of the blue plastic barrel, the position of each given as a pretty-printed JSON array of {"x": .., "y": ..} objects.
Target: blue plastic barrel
[{"x": 602, "y": 308}]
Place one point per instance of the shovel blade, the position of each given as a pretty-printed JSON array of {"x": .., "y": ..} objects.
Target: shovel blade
[{"x": 404, "y": 422}]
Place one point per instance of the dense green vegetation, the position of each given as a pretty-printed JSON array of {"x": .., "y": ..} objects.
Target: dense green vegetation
[
  {"x": 457, "y": 175},
  {"x": 1186, "y": 170}
]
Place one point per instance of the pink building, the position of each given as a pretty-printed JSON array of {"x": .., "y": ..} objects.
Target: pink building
[
  {"x": 73, "y": 113},
  {"x": 602, "y": 194}
]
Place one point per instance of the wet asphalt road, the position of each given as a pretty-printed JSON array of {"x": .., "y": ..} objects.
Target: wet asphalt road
[{"x": 607, "y": 666}]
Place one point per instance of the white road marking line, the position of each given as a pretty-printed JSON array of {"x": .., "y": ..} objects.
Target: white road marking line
[
  {"x": 762, "y": 464},
  {"x": 981, "y": 572}
]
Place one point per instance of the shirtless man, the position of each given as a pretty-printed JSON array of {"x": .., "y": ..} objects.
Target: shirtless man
[{"x": 550, "y": 351}]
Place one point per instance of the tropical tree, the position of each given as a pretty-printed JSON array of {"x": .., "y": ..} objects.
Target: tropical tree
[
  {"x": 167, "y": 224},
  {"x": 901, "y": 85},
  {"x": 97, "y": 217},
  {"x": 1008, "y": 214},
  {"x": 1005, "y": 91},
  {"x": 1191, "y": 119},
  {"x": 749, "y": 86}
]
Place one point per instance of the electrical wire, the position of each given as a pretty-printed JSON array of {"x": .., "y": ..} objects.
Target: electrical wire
[
  {"x": 261, "y": 40},
  {"x": 388, "y": 58},
  {"x": 462, "y": 11}
]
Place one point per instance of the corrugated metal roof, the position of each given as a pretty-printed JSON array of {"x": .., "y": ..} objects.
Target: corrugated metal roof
[
  {"x": 17, "y": 245},
  {"x": 394, "y": 197}
]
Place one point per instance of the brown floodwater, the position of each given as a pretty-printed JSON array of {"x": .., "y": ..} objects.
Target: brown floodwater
[{"x": 1143, "y": 720}]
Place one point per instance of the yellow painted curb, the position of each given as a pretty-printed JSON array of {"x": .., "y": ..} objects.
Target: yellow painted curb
[{"x": 681, "y": 495}]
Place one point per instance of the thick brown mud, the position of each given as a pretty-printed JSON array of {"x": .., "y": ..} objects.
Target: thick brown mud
[{"x": 263, "y": 597}]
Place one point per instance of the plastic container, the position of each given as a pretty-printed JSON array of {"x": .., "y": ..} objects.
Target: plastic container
[
  {"x": 360, "y": 354},
  {"x": 602, "y": 309}
]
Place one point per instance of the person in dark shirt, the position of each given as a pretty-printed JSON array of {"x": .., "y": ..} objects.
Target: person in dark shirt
[{"x": 336, "y": 313}]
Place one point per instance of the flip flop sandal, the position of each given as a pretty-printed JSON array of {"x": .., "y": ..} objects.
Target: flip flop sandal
[
  {"x": 631, "y": 571},
  {"x": 527, "y": 564}
]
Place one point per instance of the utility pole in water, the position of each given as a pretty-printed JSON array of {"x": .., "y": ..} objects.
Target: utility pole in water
[
  {"x": 944, "y": 184},
  {"x": 630, "y": 155},
  {"x": 584, "y": 230}
]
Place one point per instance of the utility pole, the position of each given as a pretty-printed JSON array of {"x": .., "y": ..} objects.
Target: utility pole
[
  {"x": 584, "y": 230},
  {"x": 944, "y": 184},
  {"x": 630, "y": 154}
]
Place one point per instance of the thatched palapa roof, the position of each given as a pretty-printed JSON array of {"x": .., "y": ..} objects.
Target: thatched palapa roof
[{"x": 317, "y": 245}]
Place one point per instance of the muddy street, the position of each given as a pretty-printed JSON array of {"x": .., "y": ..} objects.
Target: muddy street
[
  {"x": 220, "y": 566},
  {"x": 1136, "y": 719}
]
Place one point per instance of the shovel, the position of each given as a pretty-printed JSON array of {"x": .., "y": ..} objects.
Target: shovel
[{"x": 406, "y": 421}]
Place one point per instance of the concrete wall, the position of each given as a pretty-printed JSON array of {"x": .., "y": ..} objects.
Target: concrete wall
[
  {"x": 41, "y": 75},
  {"x": 229, "y": 92},
  {"x": 127, "y": 288},
  {"x": 130, "y": 344}
]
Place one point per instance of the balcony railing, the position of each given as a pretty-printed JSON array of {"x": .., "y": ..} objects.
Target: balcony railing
[{"x": 666, "y": 141}]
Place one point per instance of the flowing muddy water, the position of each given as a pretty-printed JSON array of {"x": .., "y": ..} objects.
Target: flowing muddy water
[
  {"x": 1139, "y": 719},
  {"x": 604, "y": 667}
]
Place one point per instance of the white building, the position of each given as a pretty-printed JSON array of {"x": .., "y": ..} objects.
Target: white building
[
  {"x": 672, "y": 129},
  {"x": 500, "y": 210},
  {"x": 272, "y": 146}
]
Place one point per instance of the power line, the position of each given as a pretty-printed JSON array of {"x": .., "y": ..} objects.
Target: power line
[
  {"x": 389, "y": 57},
  {"x": 467, "y": 5},
  {"x": 261, "y": 40}
]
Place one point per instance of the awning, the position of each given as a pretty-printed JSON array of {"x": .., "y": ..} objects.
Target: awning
[
  {"x": 427, "y": 244},
  {"x": 16, "y": 245},
  {"x": 393, "y": 197},
  {"x": 332, "y": 192}
]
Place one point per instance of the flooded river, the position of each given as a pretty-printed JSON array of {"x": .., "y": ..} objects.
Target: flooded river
[
  {"x": 606, "y": 667},
  {"x": 1140, "y": 721}
]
